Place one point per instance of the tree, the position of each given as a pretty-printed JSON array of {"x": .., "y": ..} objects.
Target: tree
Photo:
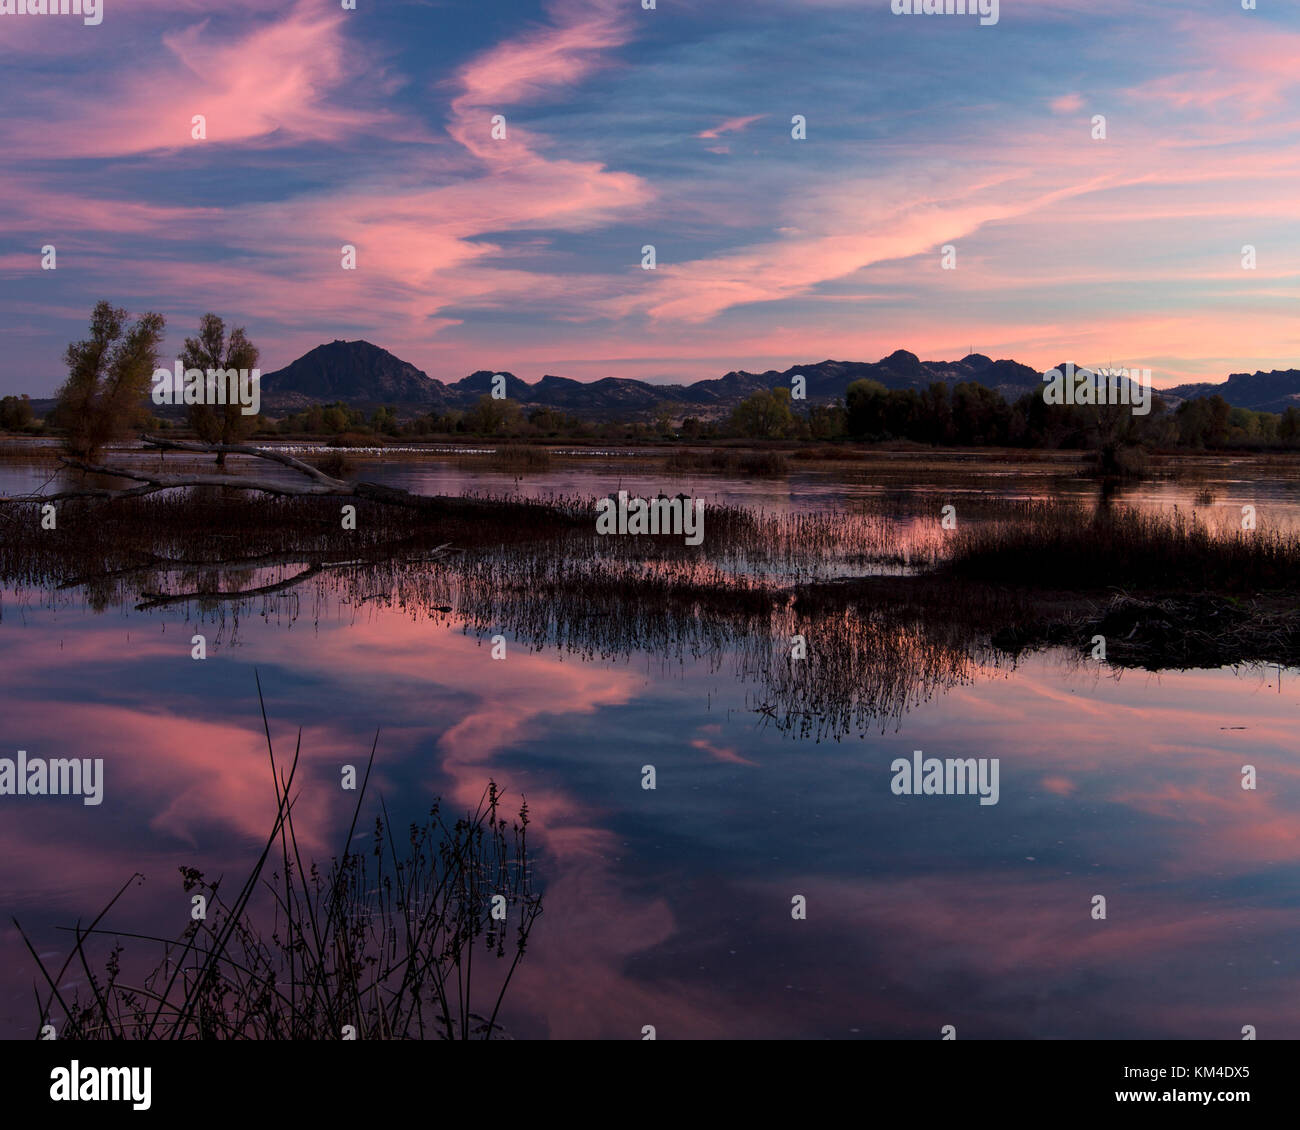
[
  {"x": 763, "y": 415},
  {"x": 15, "y": 413},
  {"x": 489, "y": 416},
  {"x": 385, "y": 420},
  {"x": 979, "y": 415},
  {"x": 864, "y": 403},
  {"x": 903, "y": 413},
  {"x": 1203, "y": 421},
  {"x": 109, "y": 376},
  {"x": 335, "y": 419},
  {"x": 1288, "y": 428},
  {"x": 826, "y": 421},
  {"x": 936, "y": 412},
  {"x": 212, "y": 349}
]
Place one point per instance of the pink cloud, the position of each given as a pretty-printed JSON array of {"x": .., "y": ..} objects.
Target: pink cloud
[
  {"x": 278, "y": 78},
  {"x": 1245, "y": 74},
  {"x": 731, "y": 125},
  {"x": 540, "y": 61},
  {"x": 1059, "y": 786}
]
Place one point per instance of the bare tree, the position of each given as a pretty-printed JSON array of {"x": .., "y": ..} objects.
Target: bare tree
[
  {"x": 212, "y": 349},
  {"x": 109, "y": 375}
]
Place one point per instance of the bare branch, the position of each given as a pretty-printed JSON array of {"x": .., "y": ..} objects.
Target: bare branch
[
  {"x": 245, "y": 449},
  {"x": 238, "y": 482},
  {"x": 86, "y": 492}
]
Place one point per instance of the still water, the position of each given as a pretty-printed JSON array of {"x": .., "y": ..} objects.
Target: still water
[{"x": 672, "y": 907}]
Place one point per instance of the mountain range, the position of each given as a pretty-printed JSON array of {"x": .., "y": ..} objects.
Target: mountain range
[{"x": 367, "y": 377}]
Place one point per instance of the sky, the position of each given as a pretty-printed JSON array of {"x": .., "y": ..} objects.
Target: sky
[{"x": 670, "y": 127}]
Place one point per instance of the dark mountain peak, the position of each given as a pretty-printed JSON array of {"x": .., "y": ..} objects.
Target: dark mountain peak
[
  {"x": 904, "y": 364},
  {"x": 1009, "y": 373},
  {"x": 357, "y": 372},
  {"x": 480, "y": 382},
  {"x": 901, "y": 357},
  {"x": 550, "y": 382},
  {"x": 976, "y": 361}
]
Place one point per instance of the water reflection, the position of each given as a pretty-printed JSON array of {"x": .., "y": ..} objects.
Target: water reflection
[{"x": 672, "y": 907}]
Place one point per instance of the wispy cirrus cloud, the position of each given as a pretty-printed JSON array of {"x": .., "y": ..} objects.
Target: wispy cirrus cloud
[{"x": 731, "y": 125}]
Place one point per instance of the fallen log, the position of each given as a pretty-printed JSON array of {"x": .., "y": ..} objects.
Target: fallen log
[
  {"x": 245, "y": 449},
  {"x": 320, "y": 485},
  {"x": 160, "y": 481}
]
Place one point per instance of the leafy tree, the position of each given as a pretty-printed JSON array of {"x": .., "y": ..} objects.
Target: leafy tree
[
  {"x": 1203, "y": 422},
  {"x": 827, "y": 421},
  {"x": 110, "y": 374},
  {"x": 490, "y": 417},
  {"x": 385, "y": 420},
  {"x": 212, "y": 349},
  {"x": 902, "y": 413},
  {"x": 15, "y": 413},
  {"x": 936, "y": 414},
  {"x": 763, "y": 415},
  {"x": 1288, "y": 426},
  {"x": 979, "y": 414},
  {"x": 335, "y": 419},
  {"x": 864, "y": 403}
]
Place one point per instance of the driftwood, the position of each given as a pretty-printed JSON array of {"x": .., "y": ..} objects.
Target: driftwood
[
  {"x": 157, "y": 481},
  {"x": 245, "y": 449},
  {"x": 318, "y": 485}
]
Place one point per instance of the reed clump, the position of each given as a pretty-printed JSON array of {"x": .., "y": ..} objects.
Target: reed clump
[
  {"x": 519, "y": 458},
  {"x": 1051, "y": 545},
  {"x": 381, "y": 944}
]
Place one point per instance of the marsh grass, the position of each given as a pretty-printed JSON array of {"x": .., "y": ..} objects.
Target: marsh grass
[
  {"x": 382, "y": 942},
  {"x": 517, "y": 457},
  {"x": 28, "y": 452},
  {"x": 335, "y": 464},
  {"x": 1049, "y": 545},
  {"x": 830, "y": 453},
  {"x": 901, "y": 608}
]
